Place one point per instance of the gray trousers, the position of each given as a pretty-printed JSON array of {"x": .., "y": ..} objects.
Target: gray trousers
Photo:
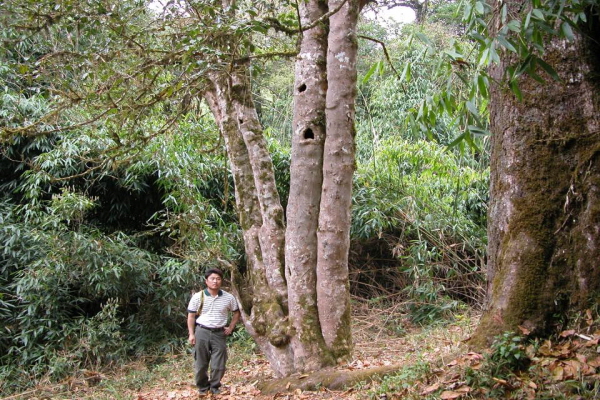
[{"x": 210, "y": 349}]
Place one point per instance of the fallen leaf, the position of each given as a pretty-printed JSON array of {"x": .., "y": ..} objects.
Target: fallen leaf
[
  {"x": 571, "y": 368},
  {"x": 594, "y": 363},
  {"x": 448, "y": 395},
  {"x": 475, "y": 356},
  {"x": 532, "y": 385},
  {"x": 567, "y": 333},
  {"x": 430, "y": 389},
  {"x": 463, "y": 389},
  {"x": 588, "y": 317},
  {"x": 477, "y": 366},
  {"x": 524, "y": 330},
  {"x": 558, "y": 374}
]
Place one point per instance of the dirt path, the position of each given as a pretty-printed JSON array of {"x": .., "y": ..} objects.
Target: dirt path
[{"x": 376, "y": 346}]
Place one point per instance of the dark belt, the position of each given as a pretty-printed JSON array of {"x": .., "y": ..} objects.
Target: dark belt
[{"x": 211, "y": 329}]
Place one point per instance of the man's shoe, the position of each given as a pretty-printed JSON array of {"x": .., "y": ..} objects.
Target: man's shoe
[
  {"x": 215, "y": 391},
  {"x": 203, "y": 392}
]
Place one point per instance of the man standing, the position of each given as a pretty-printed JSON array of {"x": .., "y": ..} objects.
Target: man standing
[{"x": 208, "y": 312}]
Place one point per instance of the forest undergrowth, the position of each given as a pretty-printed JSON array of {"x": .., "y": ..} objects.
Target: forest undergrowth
[{"x": 432, "y": 362}]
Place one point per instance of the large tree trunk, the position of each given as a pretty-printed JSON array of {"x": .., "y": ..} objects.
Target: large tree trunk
[
  {"x": 544, "y": 212},
  {"x": 306, "y": 180},
  {"x": 294, "y": 294},
  {"x": 261, "y": 291},
  {"x": 338, "y": 168}
]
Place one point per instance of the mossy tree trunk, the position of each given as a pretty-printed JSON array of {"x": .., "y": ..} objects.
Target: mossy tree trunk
[
  {"x": 294, "y": 294},
  {"x": 262, "y": 290},
  {"x": 544, "y": 212}
]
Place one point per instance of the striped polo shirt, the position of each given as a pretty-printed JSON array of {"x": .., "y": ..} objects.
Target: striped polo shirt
[{"x": 215, "y": 310}]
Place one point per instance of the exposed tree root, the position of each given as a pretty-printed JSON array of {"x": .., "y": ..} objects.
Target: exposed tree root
[{"x": 328, "y": 378}]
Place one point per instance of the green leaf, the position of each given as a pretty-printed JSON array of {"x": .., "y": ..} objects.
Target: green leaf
[
  {"x": 470, "y": 142},
  {"x": 457, "y": 140},
  {"x": 548, "y": 68},
  {"x": 527, "y": 21},
  {"x": 478, "y": 37},
  {"x": 450, "y": 103},
  {"x": 484, "y": 57},
  {"x": 472, "y": 108},
  {"x": 514, "y": 86},
  {"x": 535, "y": 76},
  {"x": 455, "y": 55},
  {"x": 406, "y": 73},
  {"x": 424, "y": 39},
  {"x": 370, "y": 72},
  {"x": 566, "y": 30},
  {"x": 539, "y": 14},
  {"x": 463, "y": 78},
  {"x": 525, "y": 65},
  {"x": 482, "y": 85},
  {"x": 494, "y": 57},
  {"x": 479, "y": 7},
  {"x": 260, "y": 27},
  {"x": 477, "y": 131},
  {"x": 467, "y": 11},
  {"x": 514, "y": 25},
  {"x": 422, "y": 111},
  {"x": 506, "y": 44}
]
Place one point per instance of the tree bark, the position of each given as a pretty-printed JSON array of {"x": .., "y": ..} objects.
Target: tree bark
[
  {"x": 306, "y": 179},
  {"x": 261, "y": 292},
  {"x": 294, "y": 295},
  {"x": 338, "y": 168},
  {"x": 544, "y": 212}
]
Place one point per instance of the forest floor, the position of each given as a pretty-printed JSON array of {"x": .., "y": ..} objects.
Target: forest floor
[{"x": 433, "y": 362}]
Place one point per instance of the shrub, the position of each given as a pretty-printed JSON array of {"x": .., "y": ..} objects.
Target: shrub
[{"x": 430, "y": 209}]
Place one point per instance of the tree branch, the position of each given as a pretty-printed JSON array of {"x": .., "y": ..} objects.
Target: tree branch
[
  {"x": 387, "y": 55},
  {"x": 275, "y": 24},
  {"x": 324, "y": 17},
  {"x": 245, "y": 59}
]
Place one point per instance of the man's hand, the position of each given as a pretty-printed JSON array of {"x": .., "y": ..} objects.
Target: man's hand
[
  {"x": 234, "y": 320},
  {"x": 191, "y": 325}
]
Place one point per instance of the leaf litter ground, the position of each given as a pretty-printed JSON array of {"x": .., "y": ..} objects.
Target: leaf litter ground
[{"x": 380, "y": 341}]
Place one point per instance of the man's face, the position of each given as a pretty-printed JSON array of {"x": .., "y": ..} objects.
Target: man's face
[{"x": 214, "y": 282}]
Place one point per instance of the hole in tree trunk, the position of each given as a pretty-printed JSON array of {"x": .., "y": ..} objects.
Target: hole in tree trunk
[
  {"x": 309, "y": 134},
  {"x": 302, "y": 88}
]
